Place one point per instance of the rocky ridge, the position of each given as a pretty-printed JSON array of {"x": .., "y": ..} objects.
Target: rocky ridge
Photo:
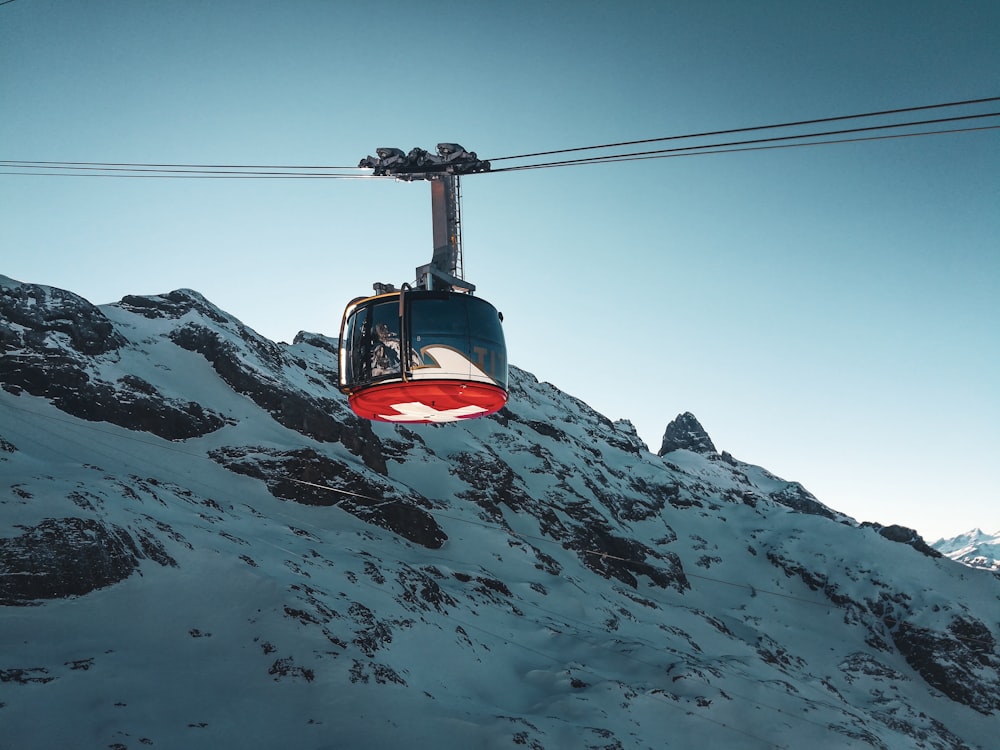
[{"x": 584, "y": 591}]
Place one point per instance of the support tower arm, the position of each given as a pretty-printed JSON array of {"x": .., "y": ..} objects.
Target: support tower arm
[{"x": 445, "y": 271}]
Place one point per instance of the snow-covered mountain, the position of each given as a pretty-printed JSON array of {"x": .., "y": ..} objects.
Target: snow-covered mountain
[
  {"x": 202, "y": 547},
  {"x": 973, "y": 548}
]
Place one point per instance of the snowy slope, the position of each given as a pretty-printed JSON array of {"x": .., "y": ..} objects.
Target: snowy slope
[
  {"x": 202, "y": 547},
  {"x": 974, "y": 548}
]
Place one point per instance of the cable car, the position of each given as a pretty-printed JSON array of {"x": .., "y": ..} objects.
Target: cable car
[
  {"x": 429, "y": 352},
  {"x": 423, "y": 356}
]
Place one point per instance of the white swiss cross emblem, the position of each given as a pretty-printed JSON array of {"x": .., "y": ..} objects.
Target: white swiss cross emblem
[{"x": 415, "y": 411}]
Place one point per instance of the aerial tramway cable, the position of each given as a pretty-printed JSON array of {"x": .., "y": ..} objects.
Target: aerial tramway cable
[
  {"x": 755, "y": 145},
  {"x": 752, "y": 128},
  {"x": 50, "y": 168}
]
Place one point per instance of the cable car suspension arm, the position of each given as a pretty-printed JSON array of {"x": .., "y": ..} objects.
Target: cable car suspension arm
[{"x": 445, "y": 271}]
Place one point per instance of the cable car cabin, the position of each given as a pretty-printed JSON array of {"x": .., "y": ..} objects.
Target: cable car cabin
[{"x": 422, "y": 356}]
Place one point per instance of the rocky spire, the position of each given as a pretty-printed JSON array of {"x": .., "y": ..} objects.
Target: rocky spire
[{"x": 686, "y": 432}]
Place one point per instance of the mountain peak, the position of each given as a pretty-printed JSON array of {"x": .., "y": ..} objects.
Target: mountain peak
[
  {"x": 175, "y": 305},
  {"x": 974, "y": 548},
  {"x": 490, "y": 582},
  {"x": 686, "y": 432}
]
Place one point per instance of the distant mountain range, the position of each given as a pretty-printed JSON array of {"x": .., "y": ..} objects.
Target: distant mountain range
[
  {"x": 201, "y": 546},
  {"x": 974, "y": 548}
]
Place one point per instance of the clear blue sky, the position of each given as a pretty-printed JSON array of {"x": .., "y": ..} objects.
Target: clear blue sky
[{"x": 828, "y": 313}]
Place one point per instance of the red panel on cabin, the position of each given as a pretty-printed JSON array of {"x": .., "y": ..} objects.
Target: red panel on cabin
[{"x": 427, "y": 401}]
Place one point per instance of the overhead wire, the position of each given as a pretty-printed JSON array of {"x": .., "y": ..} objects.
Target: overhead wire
[
  {"x": 49, "y": 168},
  {"x": 164, "y": 171},
  {"x": 68, "y": 164},
  {"x": 707, "y": 151},
  {"x": 729, "y": 131},
  {"x": 756, "y": 144},
  {"x": 207, "y": 176}
]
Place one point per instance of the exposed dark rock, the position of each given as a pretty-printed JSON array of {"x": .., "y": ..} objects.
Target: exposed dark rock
[
  {"x": 657, "y": 494},
  {"x": 815, "y": 580},
  {"x": 42, "y": 318},
  {"x": 544, "y": 428},
  {"x": 626, "y": 438},
  {"x": 613, "y": 556},
  {"x": 860, "y": 663},
  {"x": 420, "y": 592},
  {"x": 174, "y": 305},
  {"x": 25, "y": 675},
  {"x": 63, "y": 557},
  {"x": 323, "y": 419},
  {"x": 402, "y": 449},
  {"x": 797, "y": 497},
  {"x": 51, "y": 340},
  {"x": 903, "y": 535},
  {"x": 685, "y": 432},
  {"x": 374, "y": 633},
  {"x": 288, "y": 668},
  {"x": 303, "y": 476},
  {"x": 962, "y": 664},
  {"x": 319, "y": 341},
  {"x": 493, "y": 482},
  {"x": 131, "y": 402},
  {"x": 950, "y": 662}
]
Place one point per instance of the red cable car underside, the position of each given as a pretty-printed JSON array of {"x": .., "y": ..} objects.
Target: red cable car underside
[{"x": 431, "y": 401}]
